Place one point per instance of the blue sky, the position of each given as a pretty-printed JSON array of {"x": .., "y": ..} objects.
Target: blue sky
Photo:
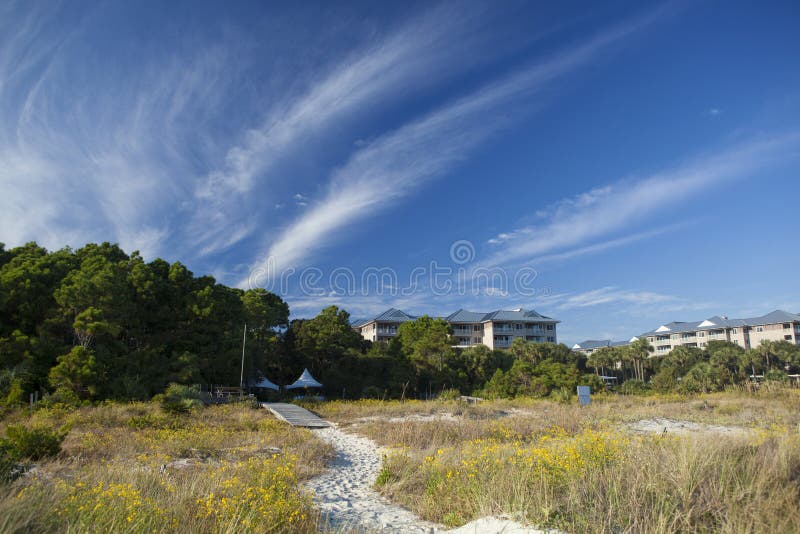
[{"x": 613, "y": 165}]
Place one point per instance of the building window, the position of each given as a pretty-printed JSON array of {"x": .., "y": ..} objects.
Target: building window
[
  {"x": 551, "y": 339},
  {"x": 787, "y": 326},
  {"x": 701, "y": 334},
  {"x": 734, "y": 330},
  {"x": 787, "y": 337},
  {"x": 550, "y": 327},
  {"x": 759, "y": 329},
  {"x": 650, "y": 339}
]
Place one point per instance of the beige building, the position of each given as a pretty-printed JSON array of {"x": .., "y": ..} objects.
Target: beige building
[
  {"x": 590, "y": 345},
  {"x": 747, "y": 333},
  {"x": 496, "y": 329}
]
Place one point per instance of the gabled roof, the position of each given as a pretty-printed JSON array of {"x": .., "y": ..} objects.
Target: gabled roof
[
  {"x": 519, "y": 314},
  {"x": 392, "y": 315},
  {"x": 777, "y": 316},
  {"x": 599, "y": 343},
  {"x": 464, "y": 316},
  {"x": 716, "y": 322}
]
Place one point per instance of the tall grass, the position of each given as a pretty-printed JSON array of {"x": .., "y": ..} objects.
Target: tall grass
[
  {"x": 580, "y": 469},
  {"x": 606, "y": 481},
  {"x": 237, "y": 471}
]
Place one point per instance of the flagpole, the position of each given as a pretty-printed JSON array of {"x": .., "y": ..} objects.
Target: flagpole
[{"x": 244, "y": 341}]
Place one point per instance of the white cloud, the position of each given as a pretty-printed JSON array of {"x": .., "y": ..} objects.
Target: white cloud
[
  {"x": 397, "y": 163},
  {"x": 426, "y": 49},
  {"x": 85, "y": 156},
  {"x": 602, "y": 212},
  {"x": 607, "y": 295}
]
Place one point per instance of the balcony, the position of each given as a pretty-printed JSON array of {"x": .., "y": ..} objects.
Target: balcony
[
  {"x": 387, "y": 331},
  {"x": 504, "y": 330},
  {"x": 465, "y": 331}
]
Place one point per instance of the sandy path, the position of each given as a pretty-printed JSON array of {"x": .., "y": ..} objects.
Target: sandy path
[
  {"x": 344, "y": 493},
  {"x": 347, "y": 501}
]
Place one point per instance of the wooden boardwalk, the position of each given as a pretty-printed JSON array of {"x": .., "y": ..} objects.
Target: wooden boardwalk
[{"x": 295, "y": 415}]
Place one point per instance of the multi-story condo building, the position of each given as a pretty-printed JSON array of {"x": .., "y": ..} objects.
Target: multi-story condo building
[
  {"x": 590, "y": 345},
  {"x": 747, "y": 333},
  {"x": 496, "y": 329}
]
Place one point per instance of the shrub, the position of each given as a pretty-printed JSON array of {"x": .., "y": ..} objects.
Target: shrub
[
  {"x": 8, "y": 467},
  {"x": 450, "y": 394},
  {"x": 776, "y": 375},
  {"x": 34, "y": 444},
  {"x": 178, "y": 398},
  {"x": 562, "y": 394},
  {"x": 63, "y": 398},
  {"x": 634, "y": 387},
  {"x": 664, "y": 380}
]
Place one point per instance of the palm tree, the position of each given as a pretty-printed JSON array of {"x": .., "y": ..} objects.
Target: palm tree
[
  {"x": 640, "y": 352},
  {"x": 766, "y": 349}
]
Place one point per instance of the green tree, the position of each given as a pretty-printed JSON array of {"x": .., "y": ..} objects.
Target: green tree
[
  {"x": 76, "y": 371},
  {"x": 602, "y": 359},
  {"x": 326, "y": 338},
  {"x": 640, "y": 351},
  {"x": 426, "y": 341}
]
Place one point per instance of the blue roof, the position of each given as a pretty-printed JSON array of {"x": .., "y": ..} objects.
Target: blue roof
[
  {"x": 518, "y": 315},
  {"x": 599, "y": 343},
  {"x": 716, "y": 322},
  {"x": 392, "y": 315},
  {"x": 462, "y": 316}
]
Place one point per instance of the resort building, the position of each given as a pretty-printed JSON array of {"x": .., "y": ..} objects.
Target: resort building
[
  {"x": 590, "y": 345},
  {"x": 496, "y": 329},
  {"x": 747, "y": 333}
]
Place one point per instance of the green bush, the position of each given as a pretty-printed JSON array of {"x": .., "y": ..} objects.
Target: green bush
[
  {"x": 63, "y": 398},
  {"x": 8, "y": 466},
  {"x": 634, "y": 387},
  {"x": 33, "y": 444},
  {"x": 562, "y": 394},
  {"x": 450, "y": 394},
  {"x": 178, "y": 398},
  {"x": 21, "y": 445},
  {"x": 776, "y": 375}
]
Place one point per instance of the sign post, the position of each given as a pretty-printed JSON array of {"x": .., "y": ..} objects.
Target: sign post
[{"x": 584, "y": 395}]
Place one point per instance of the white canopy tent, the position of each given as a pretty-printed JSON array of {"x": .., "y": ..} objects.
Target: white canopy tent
[
  {"x": 265, "y": 383},
  {"x": 305, "y": 381}
]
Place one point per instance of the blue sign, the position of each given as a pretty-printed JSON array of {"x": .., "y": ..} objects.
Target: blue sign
[{"x": 584, "y": 393}]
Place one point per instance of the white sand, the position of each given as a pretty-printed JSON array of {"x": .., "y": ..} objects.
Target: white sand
[
  {"x": 344, "y": 493},
  {"x": 345, "y": 496},
  {"x": 660, "y": 425}
]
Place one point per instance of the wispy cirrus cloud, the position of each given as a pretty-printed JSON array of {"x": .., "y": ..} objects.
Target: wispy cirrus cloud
[
  {"x": 396, "y": 164},
  {"x": 426, "y": 49},
  {"x": 572, "y": 226},
  {"x": 607, "y": 295},
  {"x": 625, "y": 301},
  {"x": 87, "y": 155}
]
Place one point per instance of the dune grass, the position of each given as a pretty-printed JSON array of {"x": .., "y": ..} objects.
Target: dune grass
[
  {"x": 229, "y": 468},
  {"x": 581, "y": 469}
]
